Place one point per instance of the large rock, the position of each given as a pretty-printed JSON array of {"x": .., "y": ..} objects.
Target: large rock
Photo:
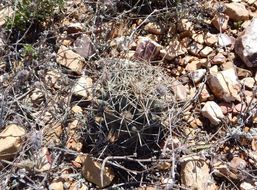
[
  {"x": 95, "y": 173},
  {"x": 246, "y": 45},
  {"x": 11, "y": 141},
  {"x": 213, "y": 112},
  {"x": 195, "y": 174},
  {"x": 236, "y": 11},
  {"x": 83, "y": 87},
  {"x": 224, "y": 85}
]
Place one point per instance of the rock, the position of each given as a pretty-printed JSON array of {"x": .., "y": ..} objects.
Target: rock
[
  {"x": 220, "y": 22},
  {"x": 174, "y": 49},
  {"x": 238, "y": 163},
  {"x": 37, "y": 96},
  {"x": 193, "y": 65},
  {"x": 147, "y": 49},
  {"x": 195, "y": 48},
  {"x": 246, "y": 45},
  {"x": 44, "y": 160},
  {"x": 197, "y": 75},
  {"x": 92, "y": 171},
  {"x": 179, "y": 90},
  {"x": 210, "y": 39},
  {"x": 52, "y": 134},
  {"x": 249, "y": 82},
  {"x": 206, "y": 51},
  {"x": 236, "y": 11},
  {"x": 239, "y": 108},
  {"x": 205, "y": 94},
  {"x": 224, "y": 85},
  {"x": 56, "y": 186},
  {"x": 70, "y": 59},
  {"x": 84, "y": 46},
  {"x": 52, "y": 79},
  {"x": 154, "y": 28},
  {"x": 11, "y": 139},
  {"x": 198, "y": 37},
  {"x": 74, "y": 140},
  {"x": 195, "y": 174},
  {"x": 74, "y": 28},
  {"x": 220, "y": 169},
  {"x": 184, "y": 25},
  {"x": 243, "y": 72},
  {"x": 219, "y": 59},
  {"x": 213, "y": 112},
  {"x": 4, "y": 13},
  {"x": 247, "y": 186},
  {"x": 83, "y": 88},
  {"x": 225, "y": 40}
]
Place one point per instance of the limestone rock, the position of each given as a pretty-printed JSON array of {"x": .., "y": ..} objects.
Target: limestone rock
[
  {"x": 219, "y": 59},
  {"x": 246, "y": 45},
  {"x": 206, "y": 51},
  {"x": 236, "y": 11},
  {"x": 225, "y": 40},
  {"x": 249, "y": 82},
  {"x": 247, "y": 186},
  {"x": 213, "y": 112},
  {"x": 70, "y": 59},
  {"x": 56, "y": 186},
  {"x": 224, "y": 85},
  {"x": 83, "y": 87},
  {"x": 91, "y": 171},
  {"x": 11, "y": 141}
]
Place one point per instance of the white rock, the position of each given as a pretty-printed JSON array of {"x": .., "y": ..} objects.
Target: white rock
[
  {"x": 213, "y": 112},
  {"x": 225, "y": 40},
  {"x": 248, "y": 82},
  {"x": 247, "y": 186},
  {"x": 246, "y": 45},
  {"x": 11, "y": 141},
  {"x": 197, "y": 75},
  {"x": 83, "y": 87},
  {"x": 206, "y": 51},
  {"x": 224, "y": 85}
]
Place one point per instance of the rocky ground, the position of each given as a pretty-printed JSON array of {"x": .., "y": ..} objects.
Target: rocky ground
[{"x": 129, "y": 95}]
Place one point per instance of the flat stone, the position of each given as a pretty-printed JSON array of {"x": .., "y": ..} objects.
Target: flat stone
[
  {"x": 236, "y": 11},
  {"x": 247, "y": 186},
  {"x": 224, "y": 85},
  {"x": 179, "y": 90},
  {"x": 246, "y": 45},
  {"x": 243, "y": 72},
  {"x": 210, "y": 39},
  {"x": 11, "y": 139},
  {"x": 92, "y": 171},
  {"x": 70, "y": 59},
  {"x": 213, "y": 112},
  {"x": 206, "y": 51}
]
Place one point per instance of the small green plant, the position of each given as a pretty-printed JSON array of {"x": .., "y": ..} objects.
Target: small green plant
[
  {"x": 29, "y": 52},
  {"x": 31, "y": 14}
]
